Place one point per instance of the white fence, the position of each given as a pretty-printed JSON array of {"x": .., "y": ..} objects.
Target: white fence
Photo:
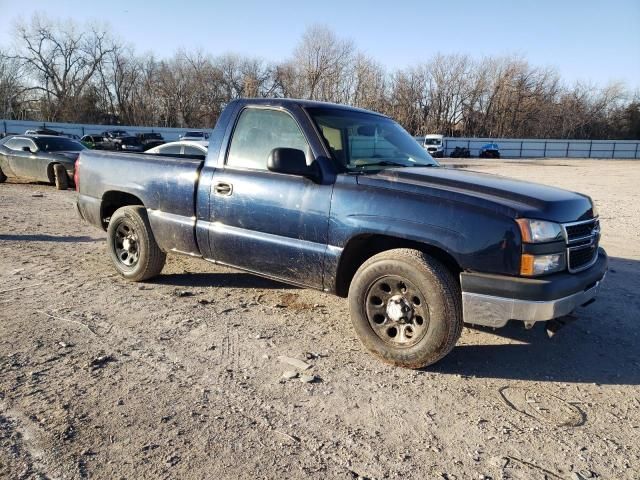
[
  {"x": 20, "y": 126},
  {"x": 509, "y": 147},
  {"x": 540, "y": 148}
]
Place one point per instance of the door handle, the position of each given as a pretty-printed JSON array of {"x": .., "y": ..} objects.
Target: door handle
[{"x": 223, "y": 188}]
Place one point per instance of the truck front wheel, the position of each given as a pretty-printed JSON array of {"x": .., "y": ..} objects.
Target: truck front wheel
[
  {"x": 132, "y": 246},
  {"x": 406, "y": 307}
]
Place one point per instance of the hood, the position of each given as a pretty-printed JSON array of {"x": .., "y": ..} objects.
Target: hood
[{"x": 515, "y": 198}]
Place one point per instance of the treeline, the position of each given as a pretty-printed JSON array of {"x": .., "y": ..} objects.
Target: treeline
[{"x": 61, "y": 72}]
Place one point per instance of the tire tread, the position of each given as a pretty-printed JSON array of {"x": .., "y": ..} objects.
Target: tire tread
[
  {"x": 60, "y": 176},
  {"x": 156, "y": 258},
  {"x": 445, "y": 281}
]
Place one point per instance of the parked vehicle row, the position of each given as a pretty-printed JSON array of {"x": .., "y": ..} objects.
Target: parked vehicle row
[
  {"x": 120, "y": 140},
  {"x": 51, "y": 158},
  {"x": 434, "y": 144}
]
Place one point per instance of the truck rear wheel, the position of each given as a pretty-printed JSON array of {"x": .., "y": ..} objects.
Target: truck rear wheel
[
  {"x": 61, "y": 177},
  {"x": 406, "y": 307},
  {"x": 132, "y": 246}
]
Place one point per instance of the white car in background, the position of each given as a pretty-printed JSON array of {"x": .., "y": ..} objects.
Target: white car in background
[
  {"x": 182, "y": 147},
  {"x": 195, "y": 135},
  {"x": 434, "y": 144}
]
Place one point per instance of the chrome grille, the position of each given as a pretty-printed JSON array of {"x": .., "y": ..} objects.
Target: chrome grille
[
  {"x": 576, "y": 231},
  {"x": 582, "y": 243}
]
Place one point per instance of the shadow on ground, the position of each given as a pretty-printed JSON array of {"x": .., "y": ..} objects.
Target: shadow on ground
[
  {"x": 48, "y": 238},
  {"x": 602, "y": 346},
  {"x": 219, "y": 279}
]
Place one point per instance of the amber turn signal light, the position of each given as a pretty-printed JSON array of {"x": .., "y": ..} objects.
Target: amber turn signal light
[
  {"x": 526, "y": 264},
  {"x": 525, "y": 231}
]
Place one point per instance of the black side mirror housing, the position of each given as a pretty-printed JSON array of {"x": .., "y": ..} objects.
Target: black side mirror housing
[
  {"x": 26, "y": 149},
  {"x": 292, "y": 162}
]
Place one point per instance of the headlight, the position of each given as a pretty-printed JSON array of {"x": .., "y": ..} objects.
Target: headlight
[
  {"x": 538, "y": 231},
  {"x": 531, "y": 265}
]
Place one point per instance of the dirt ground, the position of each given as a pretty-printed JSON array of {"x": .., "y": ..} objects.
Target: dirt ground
[{"x": 181, "y": 377}]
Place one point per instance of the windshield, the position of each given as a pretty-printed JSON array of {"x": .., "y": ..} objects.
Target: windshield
[
  {"x": 366, "y": 141},
  {"x": 433, "y": 141},
  {"x": 59, "y": 144}
]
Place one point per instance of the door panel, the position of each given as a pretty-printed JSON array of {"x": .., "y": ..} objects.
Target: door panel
[
  {"x": 266, "y": 222},
  {"x": 272, "y": 224},
  {"x": 21, "y": 161}
]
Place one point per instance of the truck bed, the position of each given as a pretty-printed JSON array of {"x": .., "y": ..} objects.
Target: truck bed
[{"x": 165, "y": 185}]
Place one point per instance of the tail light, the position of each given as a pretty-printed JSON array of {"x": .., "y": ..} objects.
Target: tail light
[{"x": 76, "y": 174}]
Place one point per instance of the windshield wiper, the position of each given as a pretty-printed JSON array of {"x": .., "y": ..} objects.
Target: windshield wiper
[
  {"x": 383, "y": 163},
  {"x": 387, "y": 163}
]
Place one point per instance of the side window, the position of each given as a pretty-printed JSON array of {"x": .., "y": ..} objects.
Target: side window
[
  {"x": 188, "y": 150},
  {"x": 171, "y": 150},
  {"x": 258, "y": 132},
  {"x": 12, "y": 144},
  {"x": 333, "y": 136},
  {"x": 17, "y": 144}
]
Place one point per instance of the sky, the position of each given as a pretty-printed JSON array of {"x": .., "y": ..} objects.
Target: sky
[{"x": 589, "y": 41}]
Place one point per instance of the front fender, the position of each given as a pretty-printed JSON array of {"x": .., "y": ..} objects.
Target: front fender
[{"x": 478, "y": 239}]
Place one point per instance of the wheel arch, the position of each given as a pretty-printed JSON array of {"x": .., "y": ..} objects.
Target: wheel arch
[
  {"x": 362, "y": 247},
  {"x": 113, "y": 200}
]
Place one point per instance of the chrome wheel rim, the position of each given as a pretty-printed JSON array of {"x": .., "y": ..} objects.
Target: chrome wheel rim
[
  {"x": 397, "y": 311},
  {"x": 126, "y": 244}
]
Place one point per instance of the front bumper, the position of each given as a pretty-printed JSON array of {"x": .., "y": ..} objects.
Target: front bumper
[{"x": 493, "y": 300}]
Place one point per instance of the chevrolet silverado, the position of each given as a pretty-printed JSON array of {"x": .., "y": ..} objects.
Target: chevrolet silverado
[{"x": 344, "y": 200}]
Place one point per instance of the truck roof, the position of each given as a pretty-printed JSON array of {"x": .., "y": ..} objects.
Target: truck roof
[{"x": 281, "y": 102}]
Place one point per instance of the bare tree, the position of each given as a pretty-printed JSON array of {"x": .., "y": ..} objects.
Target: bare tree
[
  {"x": 61, "y": 59},
  {"x": 321, "y": 61},
  {"x": 12, "y": 88},
  {"x": 120, "y": 82},
  {"x": 60, "y": 71}
]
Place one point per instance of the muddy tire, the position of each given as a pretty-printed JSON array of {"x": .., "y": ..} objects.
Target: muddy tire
[
  {"x": 406, "y": 307},
  {"x": 3, "y": 177},
  {"x": 60, "y": 176},
  {"x": 132, "y": 246}
]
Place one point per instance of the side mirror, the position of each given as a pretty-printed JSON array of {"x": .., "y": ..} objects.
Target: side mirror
[
  {"x": 290, "y": 161},
  {"x": 26, "y": 149}
]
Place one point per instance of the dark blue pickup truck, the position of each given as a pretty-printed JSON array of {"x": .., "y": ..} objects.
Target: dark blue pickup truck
[{"x": 344, "y": 200}]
